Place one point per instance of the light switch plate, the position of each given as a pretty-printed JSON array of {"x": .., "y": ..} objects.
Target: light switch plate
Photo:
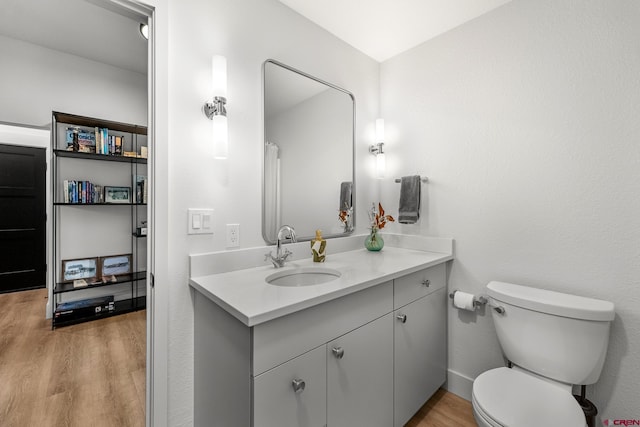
[{"x": 200, "y": 221}]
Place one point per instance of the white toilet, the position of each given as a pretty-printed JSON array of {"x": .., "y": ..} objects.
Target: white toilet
[{"x": 553, "y": 341}]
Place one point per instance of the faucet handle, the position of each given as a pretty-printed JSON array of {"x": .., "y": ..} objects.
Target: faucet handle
[{"x": 268, "y": 255}]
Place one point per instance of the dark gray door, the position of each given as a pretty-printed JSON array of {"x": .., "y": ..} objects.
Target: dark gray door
[{"x": 22, "y": 218}]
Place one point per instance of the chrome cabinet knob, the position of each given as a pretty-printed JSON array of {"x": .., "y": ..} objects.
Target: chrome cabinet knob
[
  {"x": 402, "y": 318},
  {"x": 426, "y": 282},
  {"x": 338, "y": 352},
  {"x": 298, "y": 385}
]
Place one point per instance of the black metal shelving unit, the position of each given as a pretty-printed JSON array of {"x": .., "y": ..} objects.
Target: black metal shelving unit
[{"x": 93, "y": 225}]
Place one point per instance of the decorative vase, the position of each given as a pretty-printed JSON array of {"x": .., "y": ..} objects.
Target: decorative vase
[{"x": 374, "y": 241}]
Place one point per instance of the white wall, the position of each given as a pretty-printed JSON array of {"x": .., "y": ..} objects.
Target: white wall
[
  {"x": 35, "y": 81},
  {"x": 247, "y": 32},
  {"x": 526, "y": 122}
]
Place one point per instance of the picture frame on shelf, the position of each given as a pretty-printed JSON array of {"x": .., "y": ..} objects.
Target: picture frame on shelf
[
  {"x": 115, "y": 265},
  {"x": 114, "y": 194},
  {"x": 79, "y": 269}
]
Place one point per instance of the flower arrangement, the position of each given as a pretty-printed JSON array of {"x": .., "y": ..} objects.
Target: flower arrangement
[
  {"x": 345, "y": 216},
  {"x": 379, "y": 219}
]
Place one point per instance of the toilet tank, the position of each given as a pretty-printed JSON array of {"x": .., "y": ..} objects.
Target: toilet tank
[{"x": 559, "y": 336}]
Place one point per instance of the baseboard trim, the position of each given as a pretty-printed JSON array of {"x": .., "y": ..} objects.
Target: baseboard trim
[{"x": 459, "y": 384}]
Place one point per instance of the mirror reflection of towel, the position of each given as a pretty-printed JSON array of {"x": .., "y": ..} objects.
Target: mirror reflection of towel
[
  {"x": 345, "y": 195},
  {"x": 409, "y": 208}
]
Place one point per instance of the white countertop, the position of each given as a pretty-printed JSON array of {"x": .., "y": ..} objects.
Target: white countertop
[{"x": 246, "y": 295}]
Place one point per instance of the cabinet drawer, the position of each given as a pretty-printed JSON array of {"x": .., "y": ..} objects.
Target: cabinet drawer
[
  {"x": 284, "y": 338},
  {"x": 277, "y": 402},
  {"x": 416, "y": 285}
]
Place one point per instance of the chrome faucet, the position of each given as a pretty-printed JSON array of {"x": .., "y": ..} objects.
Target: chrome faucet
[{"x": 282, "y": 255}]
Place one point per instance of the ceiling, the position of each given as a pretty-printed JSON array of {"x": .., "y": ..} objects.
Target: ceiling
[
  {"x": 379, "y": 28},
  {"x": 79, "y": 27},
  {"x": 384, "y": 28}
]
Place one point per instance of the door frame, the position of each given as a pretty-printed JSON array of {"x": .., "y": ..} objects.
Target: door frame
[{"x": 157, "y": 327}]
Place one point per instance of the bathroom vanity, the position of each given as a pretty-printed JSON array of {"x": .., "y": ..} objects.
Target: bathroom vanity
[{"x": 365, "y": 349}]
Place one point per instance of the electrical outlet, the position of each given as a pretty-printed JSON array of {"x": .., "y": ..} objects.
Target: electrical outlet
[{"x": 233, "y": 235}]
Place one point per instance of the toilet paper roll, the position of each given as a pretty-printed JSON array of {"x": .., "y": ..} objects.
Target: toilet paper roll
[{"x": 463, "y": 301}]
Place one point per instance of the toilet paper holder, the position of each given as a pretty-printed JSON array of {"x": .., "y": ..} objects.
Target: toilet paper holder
[
  {"x": 477, "y": 301},
  {"x": 480, "y": 301}
]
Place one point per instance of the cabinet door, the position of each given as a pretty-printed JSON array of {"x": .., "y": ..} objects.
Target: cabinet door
[
  {"x": 292, "y": 394},
  {"x": 360, "y": 376},
  {"x": 420, "y": 353}
]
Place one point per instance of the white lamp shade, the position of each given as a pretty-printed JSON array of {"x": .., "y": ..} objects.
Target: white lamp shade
[
  {"x": 379, "y": 130},
  {"x": 219, "y": 75},
  {"x": 219, "y": 129},
  {"x": 381, "y": 165}
]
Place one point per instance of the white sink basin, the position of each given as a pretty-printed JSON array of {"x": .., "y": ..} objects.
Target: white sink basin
[{"x": 304, "y": 276}]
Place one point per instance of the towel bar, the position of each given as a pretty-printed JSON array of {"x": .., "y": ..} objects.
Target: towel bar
[{"x": 423, "y": 179}]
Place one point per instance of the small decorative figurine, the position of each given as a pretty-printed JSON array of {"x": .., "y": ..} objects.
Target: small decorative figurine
[{"x": 318, "y": 246}]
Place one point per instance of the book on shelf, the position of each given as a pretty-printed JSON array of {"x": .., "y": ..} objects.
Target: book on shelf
[
  {"x": 65, "y": 191},
  {"x": 115, "y": 145},
  {"x": 119, "y": 143},
  {"x": 140, "y": 187},
  {"x": 105, "y": 140},
  {"x": 73, "y": 193},
  {"x": 81, "y": 192},
  {"x": 100, "y": 142}
]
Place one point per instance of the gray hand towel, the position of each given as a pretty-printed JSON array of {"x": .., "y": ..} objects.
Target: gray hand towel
[
  {"x": 345, "y": 196},
  {"x": 409, "y": 209}
]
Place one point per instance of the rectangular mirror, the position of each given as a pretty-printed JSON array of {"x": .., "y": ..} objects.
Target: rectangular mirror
[{"x": 308, "y": 172}]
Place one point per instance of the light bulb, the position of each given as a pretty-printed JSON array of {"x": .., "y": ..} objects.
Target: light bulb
[
  {"x": 379, "y": 130},
  {"x": 219, "y": 130},
  {"x": 219, "y": 76},
  {"x": 381, "y": 165}
]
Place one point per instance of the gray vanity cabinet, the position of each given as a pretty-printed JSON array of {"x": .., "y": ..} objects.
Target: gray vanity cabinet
[
  {"x": 359, "y": 374},
  {"x": 352, "y": 361},
  {"x": 420, "y": 341}
]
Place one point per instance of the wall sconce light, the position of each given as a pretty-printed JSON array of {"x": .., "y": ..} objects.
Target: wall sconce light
[
  {"x": 376, "y": 150},
  {"x": 144, "y": 30},
  {"x": 216, "y": 110}
]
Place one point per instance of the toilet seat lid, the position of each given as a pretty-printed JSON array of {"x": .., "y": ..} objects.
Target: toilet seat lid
[{"x": 515, "y": 399}]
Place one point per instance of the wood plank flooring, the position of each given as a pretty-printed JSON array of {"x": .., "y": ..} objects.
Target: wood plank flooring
[
  {"x": 93, "y": 374},
  {"x": 444, "y": 409},
  {"x": 90, "y": 374}
]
